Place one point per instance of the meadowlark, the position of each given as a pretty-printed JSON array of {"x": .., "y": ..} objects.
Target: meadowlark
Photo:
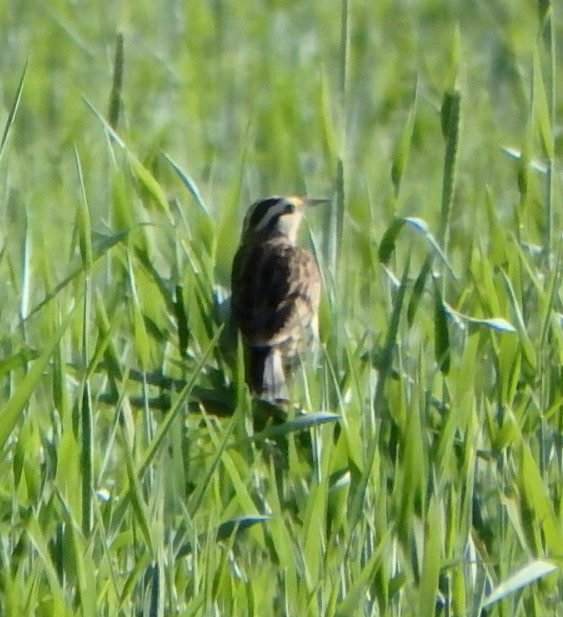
[{"x": 275, "y": 292}]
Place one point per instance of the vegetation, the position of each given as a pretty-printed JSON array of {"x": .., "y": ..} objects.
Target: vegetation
[{"x": 420, "y": 470}]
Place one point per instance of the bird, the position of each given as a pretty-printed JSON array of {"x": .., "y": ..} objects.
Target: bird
[{"x": 276, "y": 289}]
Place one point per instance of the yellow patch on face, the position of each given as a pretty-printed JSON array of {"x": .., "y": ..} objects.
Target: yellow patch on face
[{"x": 296, "y": 201}]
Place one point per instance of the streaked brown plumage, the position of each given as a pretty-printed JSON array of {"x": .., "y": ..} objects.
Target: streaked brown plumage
[{"x": 276, "y": 291}]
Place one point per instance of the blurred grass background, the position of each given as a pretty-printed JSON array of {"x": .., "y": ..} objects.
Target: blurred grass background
[{"x": 425, "y": 478}]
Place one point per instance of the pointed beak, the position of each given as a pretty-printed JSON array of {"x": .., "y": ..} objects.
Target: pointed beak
[{"x": 316, "y": 201}]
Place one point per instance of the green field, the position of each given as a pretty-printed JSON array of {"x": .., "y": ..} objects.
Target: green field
[{"x": 419, "y": 470}]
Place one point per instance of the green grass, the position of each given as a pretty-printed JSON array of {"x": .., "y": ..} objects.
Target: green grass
[{"x": 137, "y": 478}]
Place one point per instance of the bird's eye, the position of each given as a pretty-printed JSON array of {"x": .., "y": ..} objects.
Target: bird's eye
[{"x": 289, "y": 208}]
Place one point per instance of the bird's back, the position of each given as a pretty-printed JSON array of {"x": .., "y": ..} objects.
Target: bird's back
[{"x": 276, "y": 291}]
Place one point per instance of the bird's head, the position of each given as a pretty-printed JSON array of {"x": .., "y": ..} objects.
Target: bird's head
[{"x": 277, "y": 215}]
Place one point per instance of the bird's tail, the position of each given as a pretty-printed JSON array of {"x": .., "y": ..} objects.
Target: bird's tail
[{"x": 265, "y": 374}]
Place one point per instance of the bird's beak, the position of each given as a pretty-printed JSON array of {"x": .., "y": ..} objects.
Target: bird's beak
[{"x": 316, "y": 201}]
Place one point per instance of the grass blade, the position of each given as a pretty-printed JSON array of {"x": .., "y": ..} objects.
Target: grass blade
[
  {"x": 389, "y": 239},
  {"x": 433, "y": 535},
  {"x": 525, "y": 576},
  {"x": 402, "y": 150},
  {"x": 13, "y": 111},
  {"x": 16, "y": 405},
  {"x": 115, "y": 101},
  {"x": 441, "y": 333}
]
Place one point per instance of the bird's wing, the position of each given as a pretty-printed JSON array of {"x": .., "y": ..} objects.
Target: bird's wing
[{"x": 276, "y": 290}]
